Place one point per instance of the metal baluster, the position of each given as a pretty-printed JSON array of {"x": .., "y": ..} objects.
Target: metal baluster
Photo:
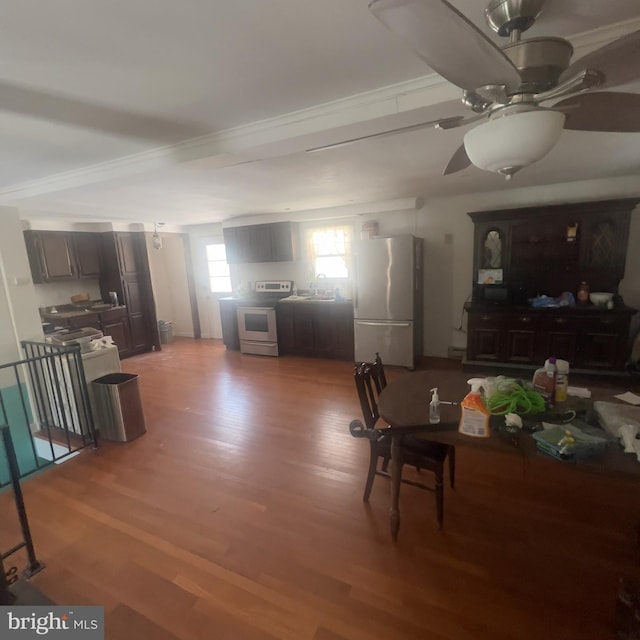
[{"x": 34, "y": 565}]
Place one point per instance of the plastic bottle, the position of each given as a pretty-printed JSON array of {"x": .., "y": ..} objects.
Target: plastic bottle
[
  {"x": 562, "y": 380},
  {"x": 544, "y": 380},
  {"x": 582, "y": 295},
  {"x": 474, "y": 419},
  {"x": 434, "y": 407}
]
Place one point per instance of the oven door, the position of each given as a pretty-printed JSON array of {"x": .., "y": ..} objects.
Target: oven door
[{"x": 257, "y": 330}]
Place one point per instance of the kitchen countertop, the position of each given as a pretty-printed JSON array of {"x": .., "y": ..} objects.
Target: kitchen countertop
[
  {"x": 291, "y": 299},
  {"x": 313, "y": 300},
  {"x": 64, "y": 312}
]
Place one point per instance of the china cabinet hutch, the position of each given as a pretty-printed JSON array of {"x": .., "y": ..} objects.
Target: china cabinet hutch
[{"x": 520, "y": 254}]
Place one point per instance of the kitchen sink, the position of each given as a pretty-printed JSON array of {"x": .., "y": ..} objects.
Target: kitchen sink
[{"x": 320, "y": 298}]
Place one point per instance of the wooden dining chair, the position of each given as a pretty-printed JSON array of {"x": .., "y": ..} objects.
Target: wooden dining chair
[{"x": 370, "y": 379}]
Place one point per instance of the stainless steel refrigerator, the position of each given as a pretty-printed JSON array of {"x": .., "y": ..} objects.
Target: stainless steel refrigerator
[{"x": 388, "y": 302}]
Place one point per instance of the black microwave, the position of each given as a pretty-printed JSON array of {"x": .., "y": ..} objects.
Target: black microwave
[{"x": 494, "y": 294}]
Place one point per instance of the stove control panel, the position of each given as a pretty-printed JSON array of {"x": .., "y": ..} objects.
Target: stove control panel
[{"x": 274, "y": 286}]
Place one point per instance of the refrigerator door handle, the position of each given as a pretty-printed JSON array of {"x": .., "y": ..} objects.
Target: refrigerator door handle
[{"x": 371, "y": 323}]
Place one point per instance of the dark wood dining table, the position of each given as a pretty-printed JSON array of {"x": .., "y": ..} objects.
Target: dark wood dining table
[{"x": 404, "y": 405}]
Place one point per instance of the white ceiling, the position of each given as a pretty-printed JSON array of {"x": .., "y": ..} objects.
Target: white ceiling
[{"x": 201, "y": 110}]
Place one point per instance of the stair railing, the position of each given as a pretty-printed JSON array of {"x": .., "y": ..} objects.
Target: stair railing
[{"x": 34, "y": 566}]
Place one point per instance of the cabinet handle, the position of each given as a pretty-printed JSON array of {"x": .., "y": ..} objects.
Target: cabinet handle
[
  {"x": 606, "y": 320},
  {"x": 560, "y": 320},
  {"x": 485, "y": 318},
  {"x": 525, "y": 318}
]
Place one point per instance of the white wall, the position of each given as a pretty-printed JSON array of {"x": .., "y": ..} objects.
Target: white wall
[
  {"x": 168, "y": 267},
  {"x": 57, "y": 293},
  {"x": 19, "y": 318}
]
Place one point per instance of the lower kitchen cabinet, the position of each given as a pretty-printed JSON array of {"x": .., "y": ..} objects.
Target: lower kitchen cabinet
[
  {"x": 229, "y": 322},
  {"x": 589, "y": 338},
  {"x": 85, "y": 320},
  {"x": 115, "y": 323},
  {"x": 316, "y": 329},
  {"x": 112, "y": 322}
]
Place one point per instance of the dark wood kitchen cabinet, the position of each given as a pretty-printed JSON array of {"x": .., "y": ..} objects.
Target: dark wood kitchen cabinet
[
  {"x": 229, "y": 322},
  {"x": 56, "y": 256},
  {"x": 126, "y": 271},
  {"x": 274, "y": 242},
  {"x": 112, "y": 322},
  {"x": 115, "y": 323},
  {"x": 316, "y": 329},
  {"x": 88, "y": 254}
]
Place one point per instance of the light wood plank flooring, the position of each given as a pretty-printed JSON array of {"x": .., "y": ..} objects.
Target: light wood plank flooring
[{"x": 239, "y": 516}]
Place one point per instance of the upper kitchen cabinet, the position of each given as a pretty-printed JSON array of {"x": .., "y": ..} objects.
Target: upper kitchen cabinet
[
  {"x": 87, "y": 248},
  {"x": 274, "y": 242},
  {"x": 55, "y": 256}
]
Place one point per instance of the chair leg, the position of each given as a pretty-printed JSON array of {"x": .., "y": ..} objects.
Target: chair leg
[
  {"x": 385, "y": 463},
  {"x": 452, "y": 466},
  {"x": 440, "y": 495},
  {"x": 373, "y": 463},
  {"x": 396, "y": 479}
]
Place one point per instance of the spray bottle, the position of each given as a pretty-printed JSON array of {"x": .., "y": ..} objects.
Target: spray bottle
[
  {"x": 474, "y": 419},
  {"x": 434, "y": 407}
]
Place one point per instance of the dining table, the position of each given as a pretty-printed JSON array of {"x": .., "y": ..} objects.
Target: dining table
[{"x": 404, "y": 405}]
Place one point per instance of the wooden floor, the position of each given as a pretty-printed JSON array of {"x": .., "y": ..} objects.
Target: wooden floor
[{"x": 239, "y": 516}]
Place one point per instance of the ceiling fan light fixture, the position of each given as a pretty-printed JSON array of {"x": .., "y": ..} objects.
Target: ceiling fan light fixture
[{"x": 506, "y": 144}]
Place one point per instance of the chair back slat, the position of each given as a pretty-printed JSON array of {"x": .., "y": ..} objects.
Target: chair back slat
[
  {"x": 370, "y": 381},
  {"x": 380, "y": 378}
]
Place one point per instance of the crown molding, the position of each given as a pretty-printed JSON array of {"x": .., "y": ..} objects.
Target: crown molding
[{"x": 329, "y": 213}]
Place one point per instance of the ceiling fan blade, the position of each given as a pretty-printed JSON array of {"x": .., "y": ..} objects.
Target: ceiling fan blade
[
  {"x": 459, "y": 161},
  {"x": 618, "y": 61},
  {"x": 449, "y": 43},
  {"x": 458, "y": 121},
  {"x": 442, "y": 123},
  {"x": 30, "y": 101},
  {"x": 602, "y": 111}
]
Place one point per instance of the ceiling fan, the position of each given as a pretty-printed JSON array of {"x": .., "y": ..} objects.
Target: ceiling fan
[{"x": 506, "y": 87}]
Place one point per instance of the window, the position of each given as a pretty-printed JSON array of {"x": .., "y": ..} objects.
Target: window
[
  {"x": 330, "y": 251},
  {"x": 219, "y": 277}
]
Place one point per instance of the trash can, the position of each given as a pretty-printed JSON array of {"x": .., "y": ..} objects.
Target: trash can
[
  {"x": 166, "y": 331},
  {"x": 118, "y": 406}
]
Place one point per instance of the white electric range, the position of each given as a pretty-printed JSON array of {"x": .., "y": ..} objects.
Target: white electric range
[{"x": 257, "y": 317}]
